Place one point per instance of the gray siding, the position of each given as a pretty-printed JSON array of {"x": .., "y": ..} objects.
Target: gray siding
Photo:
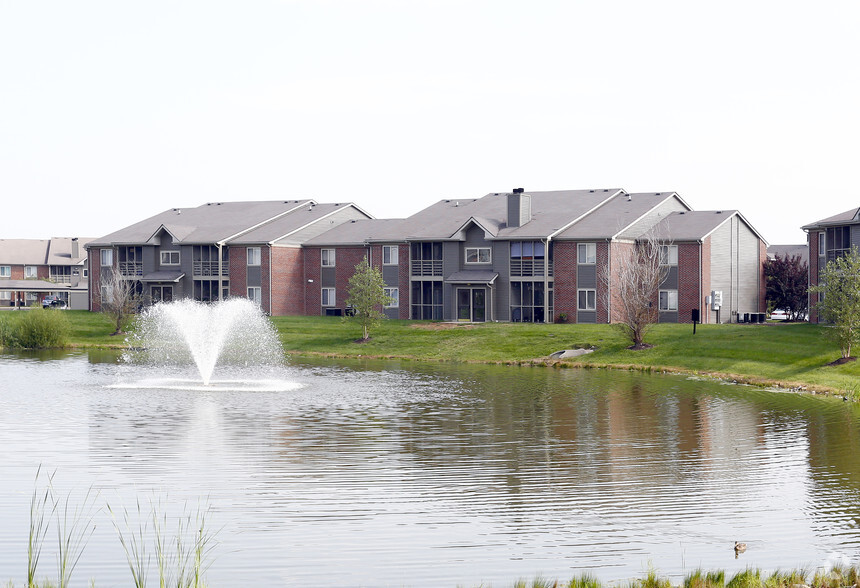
[
  {"x": 668, "y": 317},
  {"x": 501, "y": 290},
  {"x": 671, "y": 280},
  {"x": 391, "y": 275},
  {"x": 255, "y": 276},
  {"x": 451, "y": 255},
  {"x": 735, "y": 269},
  {"x": 589, "y": 316}
]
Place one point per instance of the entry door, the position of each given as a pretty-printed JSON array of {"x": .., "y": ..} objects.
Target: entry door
[
  {"x": 161, "y": 294},
  {"x": 472, "y": 304}
]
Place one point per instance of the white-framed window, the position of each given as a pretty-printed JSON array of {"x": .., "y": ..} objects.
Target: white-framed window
[
  {"x": 106, "y": 257},
  {"x": 478, "y": 255},
  {"x": 821, "y": 245},
  {"x": 32, "y": 297},
  {"x": 5, "y": 271},
  {"x": 327, "y": 257},
  {"x": 389, "y": 255},
  {"x": 169, "y": 258},
  {"x": 393, "y": 297},
  {"x": 255, "y": 294},
  {"x": 668, "y": 300},
  {"x": 327, "y": 296},
  {"x": 668, "y": 255},
  {"x": 586, "y": 299},
  {"x": 6, "y": 295},
  {"x": 586, "y": 253},
  {"x": 254, "y": 256},
  {"x": 31, "y": 271}
]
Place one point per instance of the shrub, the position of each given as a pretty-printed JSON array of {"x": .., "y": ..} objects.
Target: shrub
[{"x": 34, "y": 329}]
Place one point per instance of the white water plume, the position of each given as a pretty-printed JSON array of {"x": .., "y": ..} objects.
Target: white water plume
[{"x": 232, "y": 332}]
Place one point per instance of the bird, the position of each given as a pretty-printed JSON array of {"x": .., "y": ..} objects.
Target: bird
[{"x": 740, "y": 548}]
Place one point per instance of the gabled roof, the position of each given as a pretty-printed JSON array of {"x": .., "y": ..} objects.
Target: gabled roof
[
  {"x": 788, "y": 251},
  {"x": 60, "y": 250},
  {"x": 24, "y": 251},
  {"x": 697, "y": 225},
  {"x": 290, "y": 224},
  {"x": 361, "y": 232},
  {"x": 843, "y": 218},
  {"x": 209, "y": 223},
  {"x": 619, "y": 214},
  {"x": 551, "y": 212}
]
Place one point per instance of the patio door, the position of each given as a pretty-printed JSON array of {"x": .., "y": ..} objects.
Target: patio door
[
  {"x": 472, "y": 304},
  {"x": 161, "y": 294}
]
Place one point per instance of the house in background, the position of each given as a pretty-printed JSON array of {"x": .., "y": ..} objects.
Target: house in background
[
  {"x": 827, "y": 239},
  {"x": 219, "y": 249},
  {"x": 31, "y": 269},
  {"x": 533, "y": 257}
]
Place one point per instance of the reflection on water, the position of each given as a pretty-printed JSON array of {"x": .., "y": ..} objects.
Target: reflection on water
[{"x": 376, "y": 474}]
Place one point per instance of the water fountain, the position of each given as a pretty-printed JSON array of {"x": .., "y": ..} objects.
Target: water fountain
[{"x": 233, "y": 333}]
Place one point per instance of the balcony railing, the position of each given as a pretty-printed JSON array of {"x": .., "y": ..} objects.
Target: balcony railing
[
  {"x": 425, "y": 268},
  {"x": 130, "y": 268},
  {"x": 530, "y": 267},
  {"x": 205, "y": 269}
]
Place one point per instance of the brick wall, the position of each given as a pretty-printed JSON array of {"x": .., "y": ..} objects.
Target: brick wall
[
  {"x": 311, "y": 267},
  {"x": 346, "y": 258},
  {"x": 94, "y": 259},
  {"x": 688, "y": 282},
  {"x": 617, "y": 252},
  {"x": 237, "y": 258},
  {"x": 402, "y": 277},
  {"x": 814, "y": 272},
  {"x": 564, "y": 279},
  {"x": 288, "y": 281},
  {"x": 603, "y": 304}
]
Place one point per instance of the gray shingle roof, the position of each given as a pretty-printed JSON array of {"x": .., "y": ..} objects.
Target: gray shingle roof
[
  {"x": 847, "y": 217},
  {"x": 360, "y": 232},
  {"x": 620, "y": 213},
  {"x": 208, "y": 223},
  {"x": 691, "y": 225},
  {"x": 24, "y": 251}
]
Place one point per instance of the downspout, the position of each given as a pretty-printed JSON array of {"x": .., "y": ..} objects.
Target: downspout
[
  {"x": 608, "y": 282},
  {"x": 702, "y": 316},
  {"x": 546, "y": 319},
  {"x": 271, "y": 266},
  {"x": 219, "y": 245}
]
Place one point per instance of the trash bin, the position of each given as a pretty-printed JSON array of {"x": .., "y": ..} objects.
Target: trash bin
[{"x": 746, "y": 317}]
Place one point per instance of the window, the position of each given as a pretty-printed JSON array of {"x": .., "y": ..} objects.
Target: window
[
  {"x": 821, "y": 246},
  {"x": 5, "y": 271},
  {"x": 169, "y": 258},
  {"x": 254, "y": 256},
  {"x": 668, "y": 300},
  {"x": 6, "y": 295},
  {"x": 393, "y": 297},
  {"x": 327, "y": 257},
  {"x": 106, "y": 256},
  {"x": 478, "y": 255},
  {"x": 587, "y": 300},
  {"x": 389, "y": 255},
  {"x": 668, "y": 255},
  {"x": 587, "y": 253},
  {"x": 328, "y": 297},
  {"x": 529, "y": 302},
  {"x": 426, "y": 259},
  {"x": 255, "y": 294},
  {"x": 31, "y": 271},
  {"x": 426, "y": 300},
  {"x": 527, "y": 250}
]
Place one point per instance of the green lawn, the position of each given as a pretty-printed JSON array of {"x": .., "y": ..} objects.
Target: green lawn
[{"x": 788, "y": 354}]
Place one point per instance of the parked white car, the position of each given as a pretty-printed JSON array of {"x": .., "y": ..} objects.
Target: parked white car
[{"x": 779, "y": 315}]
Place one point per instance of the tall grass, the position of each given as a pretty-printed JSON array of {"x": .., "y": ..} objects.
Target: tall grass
[
  {"x": 39, "y": 503},
  {"x": 35, "y": 328}
]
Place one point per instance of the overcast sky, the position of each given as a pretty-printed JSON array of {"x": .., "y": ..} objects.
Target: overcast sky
[{"x": 111, "y": 112}]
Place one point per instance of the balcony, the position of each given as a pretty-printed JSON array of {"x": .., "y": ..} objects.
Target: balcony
[
  {"x": 425, "y": 268},
  {"x": 206, "y": 269},
  {"x": 129, "y": 269},
  {"x": 530, "y": 267}
]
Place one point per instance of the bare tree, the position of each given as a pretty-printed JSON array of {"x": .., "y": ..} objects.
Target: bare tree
[
  {"x": 632, "y": 284},
  {"x": 120, "y": 299}
]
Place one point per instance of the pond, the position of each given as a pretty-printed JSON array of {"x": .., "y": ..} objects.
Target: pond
[{"x": 414, "y": 474}]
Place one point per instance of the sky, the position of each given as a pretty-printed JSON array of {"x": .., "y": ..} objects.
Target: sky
[{"x": 111, "y": 112}]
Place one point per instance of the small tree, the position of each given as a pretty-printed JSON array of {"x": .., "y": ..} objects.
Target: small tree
[
  {"x": 633, "y": 285},
  {"x": 840, "y": 307},
  {"x": 366, "y": 296},
  {"x": 787, "y": 284},
  {"x": 120, "y": 299}
]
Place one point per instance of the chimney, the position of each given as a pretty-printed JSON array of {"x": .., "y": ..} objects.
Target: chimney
[
  {"x": 519, "y": 208},
  {"x": 75, "y": 250}
]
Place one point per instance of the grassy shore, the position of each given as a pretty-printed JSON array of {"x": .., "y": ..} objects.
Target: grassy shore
[{"x": 788, "y": 355}]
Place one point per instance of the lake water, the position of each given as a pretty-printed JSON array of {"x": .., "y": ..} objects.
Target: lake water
[{"x": 411, "y": 474}]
